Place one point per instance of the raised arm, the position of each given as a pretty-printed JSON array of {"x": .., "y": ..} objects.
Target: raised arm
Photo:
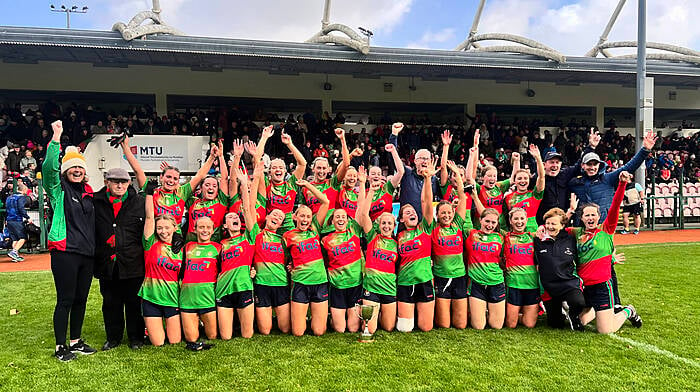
[
  {"x": 149, "y": 224},
  {"x": 202, "y": 172},
  {"x": 474, "y": 151},
  {"x": 639, "y": 157},
  {"x": 51, "y": 168},
  {"x": 446, "y": 141},
  {"x": 325, "y": 204},
  {"x": 345, "y": 163},
  {"x": 535, "y": 152},
  {"x": 258, "y": 152},
  {"x": 515, "y": 158},
  {"x": 400, "y": 168},
  {"x": 255, "y": 187},
  {"x": 238, "y": 149},
  {"x": 475, "y": 198},
  {"x": 223, "y": 182},
  {"x": 396, "y": 129},
  {"x": 610, "y": 223},
  {"x": 427, "y": 192},
  {"x": 301, "y": 162},
  {"x": 363, "y": 201},
  {"x": 133, "y": 162},
  {"x": 461, "y": 210},
  {"x": 248, "y": 213}
]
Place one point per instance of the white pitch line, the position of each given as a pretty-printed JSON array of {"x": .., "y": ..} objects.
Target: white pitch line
[{"x": 656, "y": 350}]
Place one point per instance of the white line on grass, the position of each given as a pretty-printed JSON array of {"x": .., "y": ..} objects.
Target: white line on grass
[{"x": 656, "y": 350}]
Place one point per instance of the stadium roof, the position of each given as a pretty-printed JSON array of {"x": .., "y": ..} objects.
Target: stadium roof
[{"x": 107, "y": 48}]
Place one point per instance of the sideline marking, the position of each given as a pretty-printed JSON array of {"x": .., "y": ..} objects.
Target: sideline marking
[{"x": 656, "y": 350}]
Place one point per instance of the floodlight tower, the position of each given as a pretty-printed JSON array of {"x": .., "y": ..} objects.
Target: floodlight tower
[{"x": 72, "y": 10}]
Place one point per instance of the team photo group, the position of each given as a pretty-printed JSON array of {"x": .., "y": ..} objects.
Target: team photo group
[{"x": 257, "y": 245}]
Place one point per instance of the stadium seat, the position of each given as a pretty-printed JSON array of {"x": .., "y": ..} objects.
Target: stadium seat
[
  {"x": 696, "y": 211},
  {"x": 673, "y": 189},
  {"x": 658, "y": 212},
  {"x": 687, "y": 211},
  {"x": 667, "y": 213}
]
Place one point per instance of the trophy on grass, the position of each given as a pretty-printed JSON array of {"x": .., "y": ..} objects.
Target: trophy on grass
[{"x": 366, "y": 313}]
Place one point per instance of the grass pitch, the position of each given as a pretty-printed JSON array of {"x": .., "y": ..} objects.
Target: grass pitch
[{"x": 660, "y": 280}]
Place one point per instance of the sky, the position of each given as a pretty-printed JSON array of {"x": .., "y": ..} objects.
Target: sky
[{"x": 569, "y": 26}]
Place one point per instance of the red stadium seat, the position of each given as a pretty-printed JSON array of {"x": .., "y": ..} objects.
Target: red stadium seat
[
  {"x": 667, "y": 213},
  {"x": 696, "y": 211}
]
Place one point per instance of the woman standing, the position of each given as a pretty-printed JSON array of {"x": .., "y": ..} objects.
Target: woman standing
[
  {"x": 415, "y": 287},
  {"x": 71, "y": 241},
  {"x": 234, "y": 285},
  {"x": 161, "y": 287},
  {"x": 379, "y": 275},
  {"x": 383, "y": 194},
  {"x": 309, "y": 279},
  {"x": 522, "y": 280},
  {"x": 525, "y": 199}
]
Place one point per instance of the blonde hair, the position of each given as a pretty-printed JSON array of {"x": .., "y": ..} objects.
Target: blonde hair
[
  {"x": 166, "y": 217},
  {"x": 556, "y": 212}
]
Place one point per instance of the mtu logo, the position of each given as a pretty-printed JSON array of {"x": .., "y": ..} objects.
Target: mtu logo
[
  {"x": 167, "y": 263},
  {"x": 489, "y": 248},
  {"x": 378, "y": 254},
  {"x": 306, "y": 246},
  {"x": 409, "y": 246},
  {"x": 272, "y": 247},
  {"x": 343, "y": 249}
]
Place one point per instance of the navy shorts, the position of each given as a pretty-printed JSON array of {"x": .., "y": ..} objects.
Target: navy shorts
[
  {"x": 199, "y": 311},
  {"x": 599, "y": 296},
  {"x": 16, "y": 230},
  {"x": 490, "y": 293},
  {"x": 378, "y": 298},
  {"x": 238, "y": 300},
  {"x": 149, "y": 309},
  {"x": 633, "y": 209},
  {"x": 419, "y": 292},
  {"x": 266, "y": 296},
  {"x": 345, "y": 298},
  {"x": 522, "y": 297},
  {"x": 305, "y": 293},
  {"x": 451, "y": 288}
]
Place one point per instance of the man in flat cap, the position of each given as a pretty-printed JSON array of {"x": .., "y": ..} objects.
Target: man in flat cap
[{"x": 119, "y": 262}]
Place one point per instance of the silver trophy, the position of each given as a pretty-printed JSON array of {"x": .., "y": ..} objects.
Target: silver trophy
[{"x": 366, "y": 313}]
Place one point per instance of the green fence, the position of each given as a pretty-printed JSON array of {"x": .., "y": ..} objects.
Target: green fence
[
  {"x": 680, "y": 200},
  {"x": 41, "y": 209}
]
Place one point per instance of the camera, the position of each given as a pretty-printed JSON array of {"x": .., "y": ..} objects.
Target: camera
[{"x": 469, "y": 188}]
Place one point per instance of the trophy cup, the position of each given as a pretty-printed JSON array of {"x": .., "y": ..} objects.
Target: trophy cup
[{"x": 366, "y": 313}]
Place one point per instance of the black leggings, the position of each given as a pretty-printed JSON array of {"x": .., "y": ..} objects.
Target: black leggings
[
  {"x": 72, "y": 275},
  {"x": 574, "y": 298}
]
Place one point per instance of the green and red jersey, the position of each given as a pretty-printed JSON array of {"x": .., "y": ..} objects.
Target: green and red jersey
[
  {"x": 236, "y": 259},
  {"x": 199, "y": 279},
  {"x": 382, "y": 201},
  {"x": 530, "y": 202},
  {"x": 344, "y": 255},
  {"x": 484, "y": 251},
  {"x": 328, "y": 187},
  {"x": 161, "y": 284},
  {"x": 447, "y": 243},
  {"x": 216, "y": 209},
  {"x": 414, "y": 252},
  {"x": 260, "y": 212},
  {"x": 595, "y": 247},
  {"x": 493, "y": 198},
  {"x": 519, "y": 254},
  {"x": 282, "y": 196},
  {"x": 171, "y": 203},
  {"x": 449, "y": 193},
  {"x": 269, "y": 259},
  {"x": 380, "y": 265},
  {"x": 303, "y": 248},
  {"x": 347, "y": 200}
]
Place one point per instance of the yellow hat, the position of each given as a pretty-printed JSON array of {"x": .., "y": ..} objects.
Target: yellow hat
[{"x": 72, "y": 158}]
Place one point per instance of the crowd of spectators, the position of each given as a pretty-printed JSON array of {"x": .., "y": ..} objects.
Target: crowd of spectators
[{"x": 24, "y": 135}]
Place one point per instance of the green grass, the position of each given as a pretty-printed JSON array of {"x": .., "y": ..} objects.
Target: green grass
[{"x": 660, "y": 280}]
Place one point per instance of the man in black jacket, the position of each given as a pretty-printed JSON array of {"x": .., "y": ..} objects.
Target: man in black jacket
[
  {"x": 119, "y": 263},
  {"x": 556, "y": 192}
]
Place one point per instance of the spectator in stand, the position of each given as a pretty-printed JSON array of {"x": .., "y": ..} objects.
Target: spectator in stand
[
  {"x": 633, "y": 204},
  {"x": 16, "y": 215},
  {"x": 14, "y": 156},
  {"x": 27, "y": 160},
  {"x": 320, "y": 151}
]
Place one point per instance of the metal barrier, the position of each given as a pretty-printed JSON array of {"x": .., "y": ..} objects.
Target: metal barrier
[{"x": 679, "y": 202}]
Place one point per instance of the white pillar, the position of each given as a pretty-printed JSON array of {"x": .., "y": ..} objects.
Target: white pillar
[
  {"x": 161, "y": 103},
  {"x": 599, "y": 116}
]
